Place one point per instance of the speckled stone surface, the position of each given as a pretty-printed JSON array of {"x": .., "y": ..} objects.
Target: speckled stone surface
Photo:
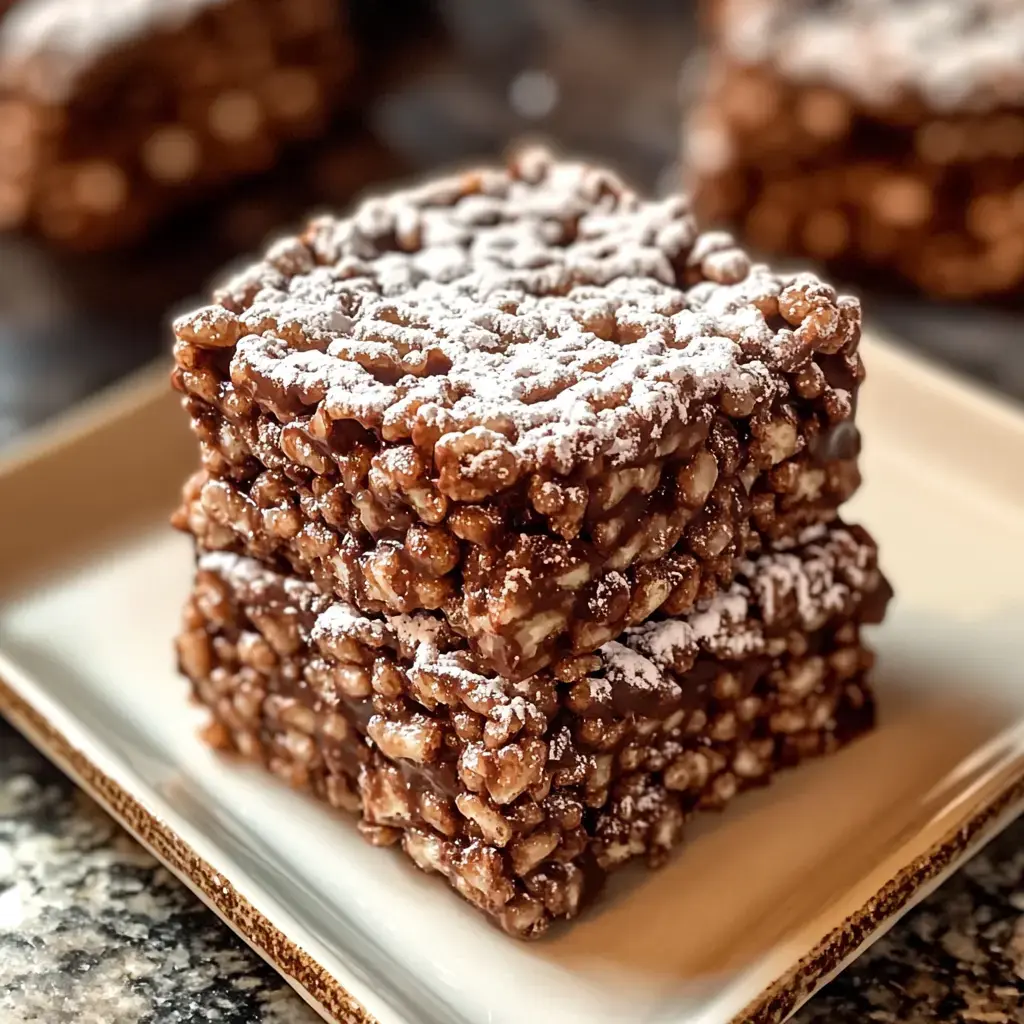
[{"x": 94, "y": 931}]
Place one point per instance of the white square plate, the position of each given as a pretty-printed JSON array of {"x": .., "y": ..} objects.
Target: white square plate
[{"x": 757, "y": 910}]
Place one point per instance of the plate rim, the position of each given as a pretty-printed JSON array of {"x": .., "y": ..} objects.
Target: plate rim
[
  {"x": 317, "y": 986},
  {"x": 314, "y": 982}
]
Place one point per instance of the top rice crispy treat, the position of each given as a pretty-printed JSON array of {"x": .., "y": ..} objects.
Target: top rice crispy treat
[{"x": 525, "y": 396}]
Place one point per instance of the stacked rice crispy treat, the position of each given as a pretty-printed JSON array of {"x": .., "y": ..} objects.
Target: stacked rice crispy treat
[{"x": 517, "y": 524}]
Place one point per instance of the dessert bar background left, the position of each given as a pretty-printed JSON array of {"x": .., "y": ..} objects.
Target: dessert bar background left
[{"x": 537, "y": 548}]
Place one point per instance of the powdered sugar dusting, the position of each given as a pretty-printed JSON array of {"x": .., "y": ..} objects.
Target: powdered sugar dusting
[
  {"x": 516, "y": 711},
  {"x": 559, "y": 745},
  {"x": 257, "y": 580},
  {"x": 673, "y": 639},
  {"x": 621, "y": 661},
  {"x": 422, "y": 641},
  {"x": 725, "y": 610},
  {"x": 415, "y": 631},
  {"x": 953, "y": 53},
  {"x": 818, "y": 578},
  {"x": 822, "y": 578},
  {"x": 341, "y": 621},
  {"x": 547, "y": 302},
  {"x": 80, "y": 31},
  {"x": 90, "y": 26}
]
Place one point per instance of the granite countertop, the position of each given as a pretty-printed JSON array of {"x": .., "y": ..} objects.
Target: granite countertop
[{"x": 94, "y": 931}]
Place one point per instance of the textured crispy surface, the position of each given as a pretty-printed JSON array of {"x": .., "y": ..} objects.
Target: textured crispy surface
[
  {"x": 523, "y": 793},
  {"x": 510, "y": 321},
  {"x": 524, "y": 599}
]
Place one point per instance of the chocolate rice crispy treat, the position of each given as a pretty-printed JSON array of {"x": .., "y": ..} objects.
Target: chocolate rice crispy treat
[
  {"x": 524, "y": 795},
  {"x": 884, "y": 138},
  {"x": 112, "y": 112},
  {"x": 525, "y": 397}
]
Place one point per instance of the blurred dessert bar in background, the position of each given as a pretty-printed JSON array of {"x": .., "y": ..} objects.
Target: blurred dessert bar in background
[
  {"x": 494, "y": 443},
  {"x": 884, "y": 138},
  {"x": 113, "y": 112}
]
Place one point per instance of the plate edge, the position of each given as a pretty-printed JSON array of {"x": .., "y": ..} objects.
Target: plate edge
[
  {"x": 836, "y": 950},
  {"x": 114, "y": 401},
  {"x": 313, "y": 981}
]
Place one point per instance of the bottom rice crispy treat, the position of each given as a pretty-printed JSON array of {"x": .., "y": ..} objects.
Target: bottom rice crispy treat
[{"x": 524, "y": 795}]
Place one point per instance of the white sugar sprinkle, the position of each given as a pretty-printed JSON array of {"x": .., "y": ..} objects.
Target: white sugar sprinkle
[
  {"x": 820, "y": 578},
  {"x": 544, "y": 300},
  {"x": 955, "y": 54}
]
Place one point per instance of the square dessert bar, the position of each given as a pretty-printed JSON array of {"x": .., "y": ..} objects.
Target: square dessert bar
[
  {"x": 113, "y": 111},
  {"x": 527, "y": 398},
  {"x": 884, "y": 137},
  {"x": 524, "y": 795}
]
